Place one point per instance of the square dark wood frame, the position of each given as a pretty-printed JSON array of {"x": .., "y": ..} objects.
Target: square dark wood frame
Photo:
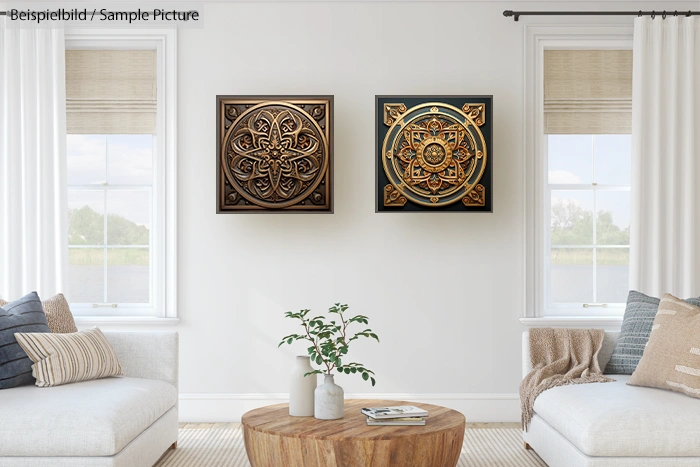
[{"x": 219, "y": 173}]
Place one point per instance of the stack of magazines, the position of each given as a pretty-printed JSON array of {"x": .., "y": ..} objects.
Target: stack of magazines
[{"x": 403, "y": 415}]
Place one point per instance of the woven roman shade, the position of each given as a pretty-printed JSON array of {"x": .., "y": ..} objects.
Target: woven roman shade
[
  {"x": 588, "y": 91},
  {"x": 111, "y": 91}
]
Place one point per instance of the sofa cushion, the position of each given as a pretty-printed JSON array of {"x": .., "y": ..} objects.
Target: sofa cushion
[
  {"x": 671, "y": 359},
  {"x": 634, "y": 335},
  {"x": 22, "y": 315},
  {"x": 58, "y": 314},
  {"x": 614, "y": 419},
  {"x": 90, "y": 418},
  {"x": 69, "y": 357}
]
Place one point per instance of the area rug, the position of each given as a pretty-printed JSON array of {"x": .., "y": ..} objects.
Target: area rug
[{"x": 223, "y": 447}]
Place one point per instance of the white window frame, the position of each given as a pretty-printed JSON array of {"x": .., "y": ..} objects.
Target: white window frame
[
  {"x": 539, "y": 38},
  {"x": 163, "y": 245}
]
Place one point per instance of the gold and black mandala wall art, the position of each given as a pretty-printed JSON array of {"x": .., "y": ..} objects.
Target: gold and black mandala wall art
[
  {"x": 275, "y": 154},
  {"x": 434, "y": 153}
]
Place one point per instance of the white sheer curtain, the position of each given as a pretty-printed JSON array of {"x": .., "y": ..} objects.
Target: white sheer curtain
[
  {"x": 33, "y": 234},
  {"x": 665, "y": 231}
]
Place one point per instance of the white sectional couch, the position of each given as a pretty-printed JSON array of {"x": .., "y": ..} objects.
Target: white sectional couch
[
  {"x": 612, "y": 424},
  {"x": 127, "y": 421}
]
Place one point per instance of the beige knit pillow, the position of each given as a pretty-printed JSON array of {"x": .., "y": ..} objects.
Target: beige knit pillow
[
  {"x": 671, "y": 358},
  {"x": 68, "y": 358},
  {"x": 57, "y": 312}
]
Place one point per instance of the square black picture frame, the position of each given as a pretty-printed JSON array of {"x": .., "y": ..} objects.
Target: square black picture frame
[{"x": 476, "y": 113}]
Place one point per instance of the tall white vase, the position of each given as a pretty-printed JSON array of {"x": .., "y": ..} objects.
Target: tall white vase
[
  {"x": 330, "y": 400},
  {"x": 301, "y": 389}
]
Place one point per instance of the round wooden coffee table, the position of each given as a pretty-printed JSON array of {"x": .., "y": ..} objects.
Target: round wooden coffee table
[{"x": 274, "y": 439}]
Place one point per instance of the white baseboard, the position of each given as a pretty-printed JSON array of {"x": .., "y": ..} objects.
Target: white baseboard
[{"x": 230, "y": 407}]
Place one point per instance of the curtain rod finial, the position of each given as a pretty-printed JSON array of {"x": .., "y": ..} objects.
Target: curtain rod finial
[{"x": 511, "y": 13}]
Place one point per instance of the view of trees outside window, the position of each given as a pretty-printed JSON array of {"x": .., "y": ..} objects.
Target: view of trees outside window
[
  {"x": 589, "y": 217},
  {"x": 109, "y": 218}
]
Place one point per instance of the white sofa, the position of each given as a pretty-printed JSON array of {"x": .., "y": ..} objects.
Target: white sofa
[
  {"x": 127, "y": 421},
  {"x": 613, "y": 424}
]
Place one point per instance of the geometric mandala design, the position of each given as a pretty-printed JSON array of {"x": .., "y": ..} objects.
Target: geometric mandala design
[
  {"x": 433, "y": 155},
  {"x": 275, "y": 154}
]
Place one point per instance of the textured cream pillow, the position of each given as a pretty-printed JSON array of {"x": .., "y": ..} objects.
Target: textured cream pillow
[
  {"x": 57, "y": 313},
  {"x": 671, "y": 358},
  {"x": 68, "y": 358}
]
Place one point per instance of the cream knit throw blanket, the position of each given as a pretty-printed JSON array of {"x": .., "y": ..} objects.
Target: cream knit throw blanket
[{"x": 560, "y": 357}]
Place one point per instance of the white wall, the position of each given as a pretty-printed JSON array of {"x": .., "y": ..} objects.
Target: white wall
[{"x": 443, "y": 291}]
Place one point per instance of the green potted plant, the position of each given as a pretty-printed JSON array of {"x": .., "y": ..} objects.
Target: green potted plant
[{"x": 330, "y": 341}]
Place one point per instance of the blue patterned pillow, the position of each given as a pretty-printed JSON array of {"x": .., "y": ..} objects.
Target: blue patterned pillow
[
  {"x": 23, "y": 315},
  {"x": 634, "y": 335}
]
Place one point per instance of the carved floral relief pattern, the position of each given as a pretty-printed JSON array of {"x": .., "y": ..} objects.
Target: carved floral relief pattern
[
  {"x": 434, "y": 155},
  {"x": 275, "y": 154}
]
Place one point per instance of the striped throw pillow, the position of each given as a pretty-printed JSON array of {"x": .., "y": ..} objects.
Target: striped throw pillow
[
  {"x": 634, "y": 335},
  {"x": 23, "y": 315},
  {"x": 68, "y": 358},
  {"x": 671, "y": 359},
  {"x": 57, "y": 312}
]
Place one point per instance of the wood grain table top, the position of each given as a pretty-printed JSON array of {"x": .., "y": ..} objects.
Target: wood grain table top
[{"x": 275, "y": 419}]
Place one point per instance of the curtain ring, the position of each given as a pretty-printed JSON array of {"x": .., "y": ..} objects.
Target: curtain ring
[
  {"x": 688, "y": 15},
  {"x": 664, "y": 15},
  {"x": 653, "y": 14},
  {"x": 640, "y": 14},
  {"x": 675, "y": 13}
]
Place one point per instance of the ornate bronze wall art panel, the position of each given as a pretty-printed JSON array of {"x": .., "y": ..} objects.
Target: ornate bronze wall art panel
[
  {"x": 275, "y": 154},
  {"x": 434, "y": 153}
]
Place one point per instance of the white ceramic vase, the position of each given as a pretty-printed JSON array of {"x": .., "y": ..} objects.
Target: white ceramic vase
[
  {"x": 329, "y": 400},
  {"x": 301, "y": 388}
]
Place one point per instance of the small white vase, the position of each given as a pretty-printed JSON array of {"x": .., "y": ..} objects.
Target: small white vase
[
  {"x": 301, "y": 389},
  {"x": 329, "y": 400}
]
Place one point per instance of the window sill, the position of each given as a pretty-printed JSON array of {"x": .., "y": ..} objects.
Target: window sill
[
  {"x": 124, "y": 320},
  {"x": 609, "y": 323}
]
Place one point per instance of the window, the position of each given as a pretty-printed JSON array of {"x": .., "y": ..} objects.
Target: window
[
  {"x": 578, "y": 172},
  {"x": 120, "y": 174},
  {"x": 110, "y": 219},
  {"x": 587, "y": 120},
  {"x": 588, "y": 202}
]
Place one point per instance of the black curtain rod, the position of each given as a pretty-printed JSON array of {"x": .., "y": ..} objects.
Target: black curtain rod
[{"x": 517, "y": 14}]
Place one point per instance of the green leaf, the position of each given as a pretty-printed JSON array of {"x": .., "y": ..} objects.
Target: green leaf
[
  {"x": 354, "y": 370},
  {"x": 289, "y": 341},
  {"x": 319, "y": 360},
  {"x": 337, "y": 361},
  {"x": 365, "y": 376},
  {"x": 346, "y": 370},
  {"x": 373, "y": 381}
]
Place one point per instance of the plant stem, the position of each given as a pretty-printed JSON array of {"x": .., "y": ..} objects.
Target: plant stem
[
  {"x": 318, "y": 351},
  {"x": 339, "y": 353}
]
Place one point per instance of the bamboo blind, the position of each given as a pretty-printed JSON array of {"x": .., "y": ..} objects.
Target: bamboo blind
[
  {"x": 587, "y": 91},
  {"x": 111, "y": 91}
]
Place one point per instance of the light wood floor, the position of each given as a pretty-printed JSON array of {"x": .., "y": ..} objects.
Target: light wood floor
[{"x": 204, "y": 426}]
